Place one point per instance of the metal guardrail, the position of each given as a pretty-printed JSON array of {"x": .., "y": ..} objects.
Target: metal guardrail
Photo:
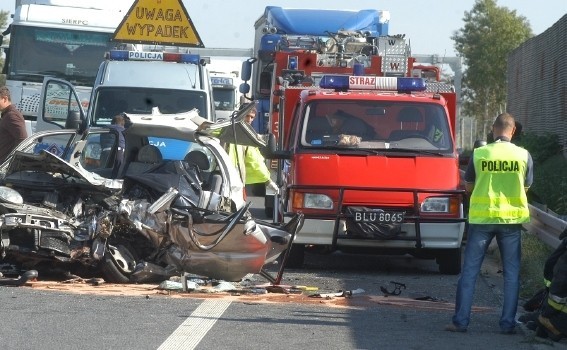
[{"x": 546, "y": 226}]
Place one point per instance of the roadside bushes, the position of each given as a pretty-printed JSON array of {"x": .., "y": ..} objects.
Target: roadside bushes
[{"x": 550, "y": 170}]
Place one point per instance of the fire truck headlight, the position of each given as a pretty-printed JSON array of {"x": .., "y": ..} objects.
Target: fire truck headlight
[
  {"x": 435, "y": 205},
  {"x": 317, "y": 201}
]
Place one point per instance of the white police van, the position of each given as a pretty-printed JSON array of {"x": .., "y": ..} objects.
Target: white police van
[{"x": 135, "y": 82}]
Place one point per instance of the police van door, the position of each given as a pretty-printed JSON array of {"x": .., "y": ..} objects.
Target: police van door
[{"x": 59, "y": 106}]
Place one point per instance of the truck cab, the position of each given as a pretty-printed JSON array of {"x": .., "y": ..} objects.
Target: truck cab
[
  {"x": 366, "y": 150},
  {"x": 225, "y": 93},
  {"x": 135, "y": 82},
  {"x": 373, "y": 169},
  {"x": 64, "y": 39}
]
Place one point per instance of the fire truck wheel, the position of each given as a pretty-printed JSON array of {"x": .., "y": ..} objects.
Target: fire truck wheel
[
  {"x": 296, "y": 256},
  {"x": 449, "y": 261}
]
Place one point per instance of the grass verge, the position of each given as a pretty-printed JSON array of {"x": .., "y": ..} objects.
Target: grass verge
[{"x": 534, "y": 255}]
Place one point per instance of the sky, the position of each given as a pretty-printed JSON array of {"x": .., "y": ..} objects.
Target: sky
[{"x": 427, "y": 24}]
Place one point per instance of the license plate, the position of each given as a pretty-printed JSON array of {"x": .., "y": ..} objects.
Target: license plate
[{"x": 379, "y": 216}]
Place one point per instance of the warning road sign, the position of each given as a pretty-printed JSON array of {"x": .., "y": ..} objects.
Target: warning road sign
[{"x": 162, "y": 22}]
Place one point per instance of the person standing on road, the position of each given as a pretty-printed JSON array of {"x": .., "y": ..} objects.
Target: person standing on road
[
  {"x": 254, "y": 172},
  {"x": 497, "y": 178},
  {"x": 12, "y": 125}
]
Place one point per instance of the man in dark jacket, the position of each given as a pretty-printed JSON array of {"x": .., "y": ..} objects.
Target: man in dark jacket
[{"x": 12, "y": 125}]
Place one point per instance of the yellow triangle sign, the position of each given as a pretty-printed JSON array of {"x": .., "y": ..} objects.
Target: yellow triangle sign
[{"x": 160, "y": 22}]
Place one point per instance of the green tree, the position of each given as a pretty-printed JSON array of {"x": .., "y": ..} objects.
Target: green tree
[
  {"x": 489, "y": 34},
  {"x": 3, "y": 24}
]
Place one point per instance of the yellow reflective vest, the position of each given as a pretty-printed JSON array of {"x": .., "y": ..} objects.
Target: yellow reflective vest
[
  {"x": 499, "y": 196},
  {"x": 250, "y": 163},
  {"x": 256, "y": 169}
]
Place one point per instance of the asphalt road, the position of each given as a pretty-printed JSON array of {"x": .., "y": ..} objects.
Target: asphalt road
[{"x": 54, "y": 319}]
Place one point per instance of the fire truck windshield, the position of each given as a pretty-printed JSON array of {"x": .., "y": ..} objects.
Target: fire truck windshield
[
  {"x": 376, "y": 125},
  {"x": 73, "y": 55}
]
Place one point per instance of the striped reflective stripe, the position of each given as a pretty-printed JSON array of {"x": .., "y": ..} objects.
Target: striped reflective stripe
[
  {"x": 515, "y": 201},
  {"x": 557, "y": 305}
]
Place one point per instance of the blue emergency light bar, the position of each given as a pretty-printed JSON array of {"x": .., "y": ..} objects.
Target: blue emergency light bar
[
  {"x": 125, "y": 55},
  {"x": 366, "y": 82}
]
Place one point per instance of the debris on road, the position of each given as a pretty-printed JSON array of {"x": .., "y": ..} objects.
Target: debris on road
[
  {"x": 397, "y": 289},
  {"x": 30, "y": 275}
]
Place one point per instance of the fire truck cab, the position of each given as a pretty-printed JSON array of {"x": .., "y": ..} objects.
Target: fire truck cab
[{"x": 366, "y": 151}]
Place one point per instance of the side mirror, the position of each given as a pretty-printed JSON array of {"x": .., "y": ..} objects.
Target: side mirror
[
  {"x": 73, "y": 120},
  {"x": 246, "y": 71},
  {"x": 271, "y": 152},
  {"x": 244, "y": 88}
]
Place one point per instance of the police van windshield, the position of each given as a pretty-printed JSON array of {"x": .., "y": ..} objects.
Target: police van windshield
[
  {"x": 376, "y": 125},
  {"x": 72, "y": 55},
  {"x": 115, "y": 100}
]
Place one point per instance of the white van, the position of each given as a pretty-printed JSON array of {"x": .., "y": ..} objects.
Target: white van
[{"x": 134, "y": 82}]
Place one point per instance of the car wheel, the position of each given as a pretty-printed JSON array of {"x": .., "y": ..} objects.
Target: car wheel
[
  {"x": 296, "y": 256},
  {"x": 449, "y": 261},
  {"x": 118, "y": 264}
]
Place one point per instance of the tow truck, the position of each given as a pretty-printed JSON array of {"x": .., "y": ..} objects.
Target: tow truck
[{"x": 389, "y": 187}]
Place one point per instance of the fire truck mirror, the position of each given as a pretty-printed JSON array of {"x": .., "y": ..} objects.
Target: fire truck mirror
[
  {"x": 270, "y": 150},
  {"x": 244, "y": 88},
  {"x": 246, "y": 70}
]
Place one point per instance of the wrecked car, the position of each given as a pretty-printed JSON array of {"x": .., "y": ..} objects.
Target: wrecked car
[{"x": 177, "y": 205}]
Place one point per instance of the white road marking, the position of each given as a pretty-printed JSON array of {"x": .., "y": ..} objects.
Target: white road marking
[{"x": 190, "y": 333}]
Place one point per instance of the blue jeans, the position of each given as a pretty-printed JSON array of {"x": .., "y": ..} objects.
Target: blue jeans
[{"x": 508, "y": 237}]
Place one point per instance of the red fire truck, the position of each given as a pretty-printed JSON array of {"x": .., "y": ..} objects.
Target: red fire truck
[{"x": 366, "y": 150}]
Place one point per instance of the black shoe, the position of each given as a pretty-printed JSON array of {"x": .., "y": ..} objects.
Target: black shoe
[{"x": 508, "y": 331}]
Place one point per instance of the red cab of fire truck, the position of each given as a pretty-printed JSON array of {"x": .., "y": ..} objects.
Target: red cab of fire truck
[{"x": 367, "y": 153}]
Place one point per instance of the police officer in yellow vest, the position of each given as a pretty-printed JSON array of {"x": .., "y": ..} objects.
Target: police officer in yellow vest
[{"x": 497, "y": 178}]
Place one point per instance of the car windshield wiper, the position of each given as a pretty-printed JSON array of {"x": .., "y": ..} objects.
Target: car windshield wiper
[
  {"x": 346, "y": 150},
  {"x": 416, "y": 151}
]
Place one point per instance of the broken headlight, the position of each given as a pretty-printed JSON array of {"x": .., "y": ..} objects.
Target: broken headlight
[{"x": 8, "y": 195}]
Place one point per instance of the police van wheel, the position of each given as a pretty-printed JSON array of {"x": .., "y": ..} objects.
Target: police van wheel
[
  {"x": 296, "y": 256},
  {"x": 449, "y": 261}
]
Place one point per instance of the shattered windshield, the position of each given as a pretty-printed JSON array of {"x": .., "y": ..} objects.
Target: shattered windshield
[{"x": 375, "y": 125}]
